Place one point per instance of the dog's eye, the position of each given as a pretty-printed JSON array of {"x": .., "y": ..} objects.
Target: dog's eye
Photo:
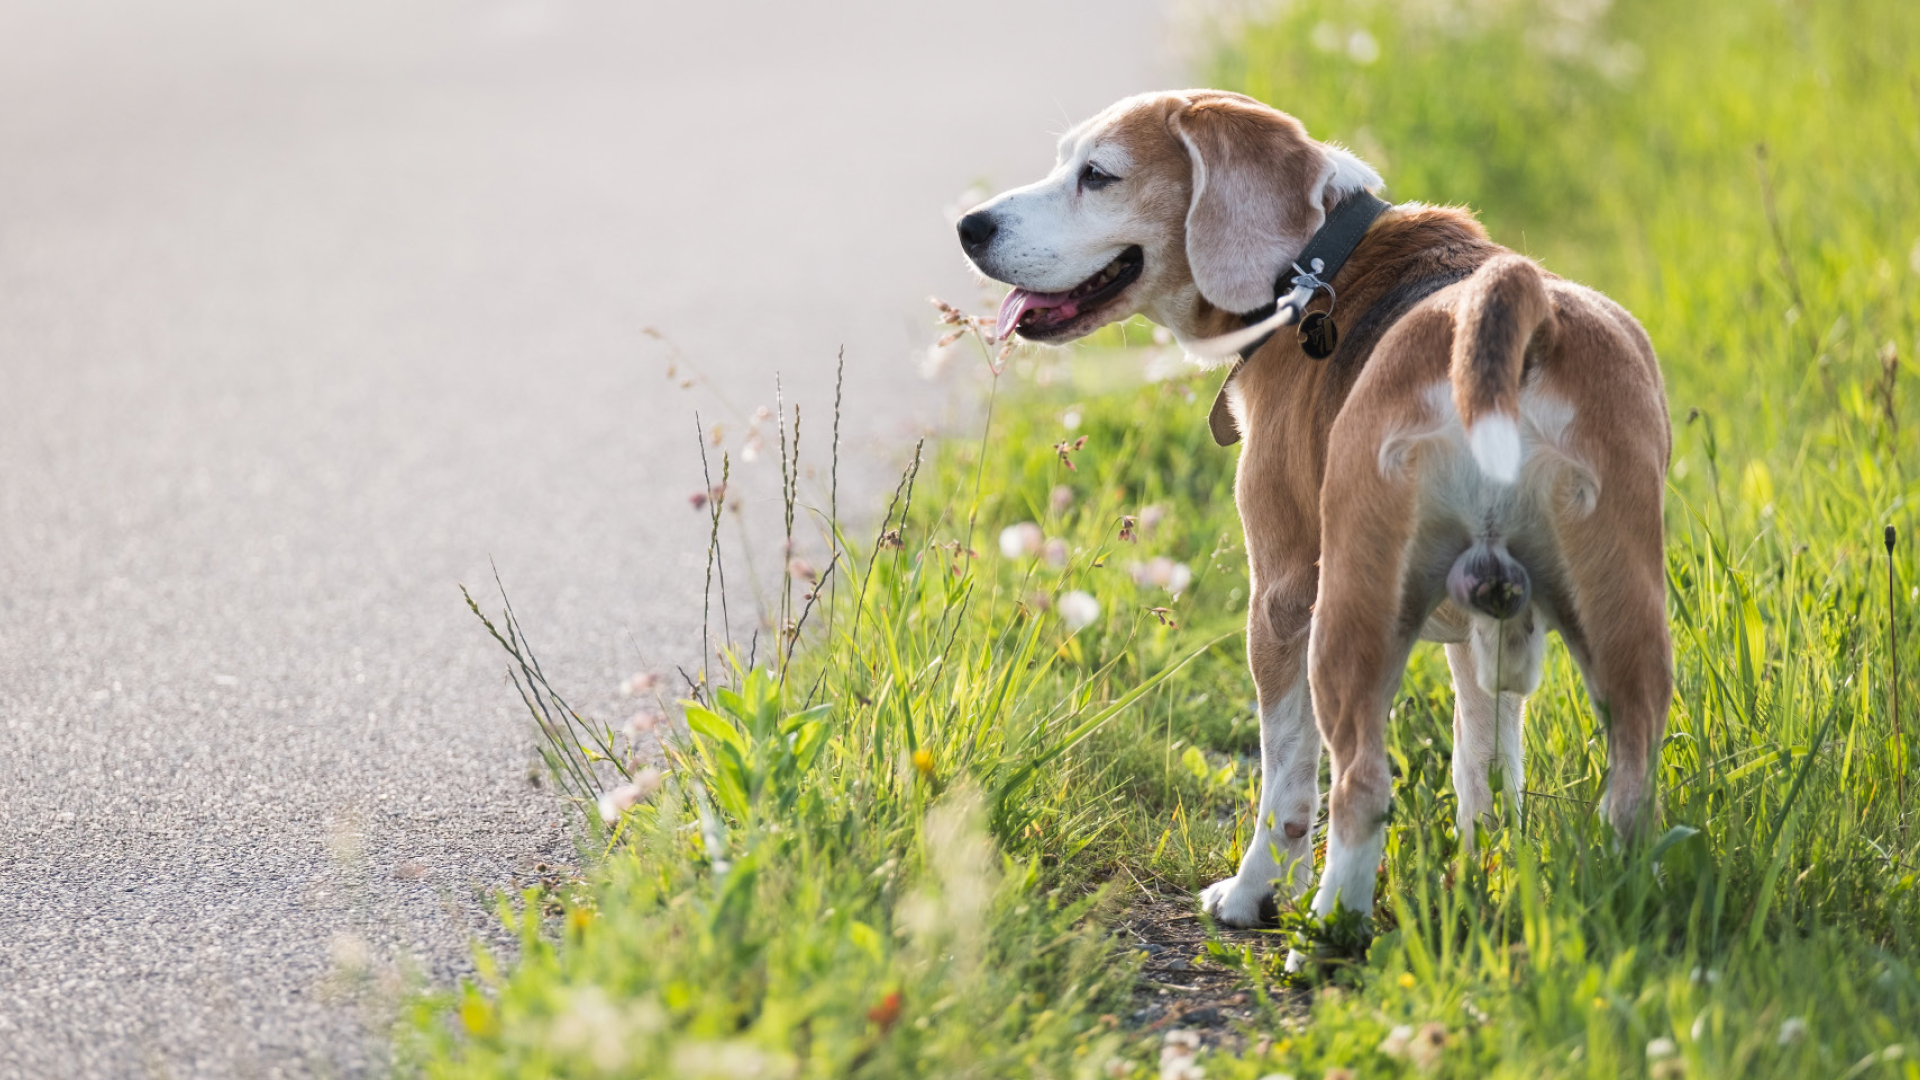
[{"x": 1093, "y": 177}]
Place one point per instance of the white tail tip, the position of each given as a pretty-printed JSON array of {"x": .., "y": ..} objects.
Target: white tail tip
[{"x": 1495, "y": 442}]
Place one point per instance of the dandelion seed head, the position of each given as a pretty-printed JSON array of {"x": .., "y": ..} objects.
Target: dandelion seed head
[
  {"x": 1071, "y": 418},
  {"x": 1661, "y": 1048},
  {"x": 1792, "y": 1030}
]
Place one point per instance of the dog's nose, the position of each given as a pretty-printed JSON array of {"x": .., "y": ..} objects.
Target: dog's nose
[{"x": 976, "y": 232}]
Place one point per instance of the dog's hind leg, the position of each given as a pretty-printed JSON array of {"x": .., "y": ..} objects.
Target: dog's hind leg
[
  {"x": 1486, "y": 733},
  {"x": 1364, "y": 627},
  {"x": 1281, "y": 849},
  {"x": 1614, "y": 621}
]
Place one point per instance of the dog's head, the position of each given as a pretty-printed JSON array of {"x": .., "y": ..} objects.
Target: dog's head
[{"x": 1171, "y": 205}]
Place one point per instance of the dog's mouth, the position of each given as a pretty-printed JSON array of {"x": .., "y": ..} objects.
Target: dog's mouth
[{"x": 1055, "y": 316}]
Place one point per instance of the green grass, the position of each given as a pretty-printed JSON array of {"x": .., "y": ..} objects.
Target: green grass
[{"x": 902, "y": 856}]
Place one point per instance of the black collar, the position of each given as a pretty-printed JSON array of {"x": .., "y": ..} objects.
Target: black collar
[{"x": 1326, "y": 252}]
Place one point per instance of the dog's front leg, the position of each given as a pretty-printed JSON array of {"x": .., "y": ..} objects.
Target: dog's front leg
[{"x": 1281, "y": 849}]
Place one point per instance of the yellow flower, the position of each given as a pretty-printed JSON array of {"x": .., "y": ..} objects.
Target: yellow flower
[
  {"x": 923, "y": 761},
  {"x": 1406, "y": 980}
]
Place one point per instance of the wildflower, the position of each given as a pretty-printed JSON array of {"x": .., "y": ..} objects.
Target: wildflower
[
  {"x": 923, "y": 762},
  {"x": 802, "y": 569},
  {"x": 1071, "y": 418},
  {"x": 698, "y": 499},
  {"x": 623, "y": 798},
  {"x": 1055, "y": 553},
  {"x": 1022, "y": 539},
  {"x": 643, "y": 722},
  {"x": 1177, "y": 1055},
  {"x": 1661, "y": 1049},
  {"x": 1079, "y": 609},
  {"x": 1165, "y": 615},
  {"x": 891, "y": 539},
  {"x": 1792, "y": 1030},
  {"x": 1396, "y": 1043},
  {"x": 887, "y": 1012},
  {"x": 1427, "y": 1045},
  {"x": 1061, "y": 498},
  {"x": 1065, "y": 449},
  {"x": 639, "y": 684},
  {"x": 1362, "y": 47},
  {"x": 750, "y": 450},
  {"x": 1126, "y": 530},
  {"x": 1151, "y": 516},
  {"x": 1164, "y": 572},
  {"x": 1406, "y": 980}
]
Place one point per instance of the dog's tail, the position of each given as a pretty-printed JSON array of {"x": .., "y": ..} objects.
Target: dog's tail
[{"x": 1504, "y": 308}]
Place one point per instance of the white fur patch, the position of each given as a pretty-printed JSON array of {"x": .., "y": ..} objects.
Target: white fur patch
[
  {"x": 1350, "y": 174},
  {"x": 1495, "y": 442}
]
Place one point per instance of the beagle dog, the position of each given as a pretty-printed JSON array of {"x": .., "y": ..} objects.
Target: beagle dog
[{"x": 1478, "y": 458}]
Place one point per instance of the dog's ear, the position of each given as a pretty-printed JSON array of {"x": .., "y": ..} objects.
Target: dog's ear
[{"x": 1260, "y": 192}]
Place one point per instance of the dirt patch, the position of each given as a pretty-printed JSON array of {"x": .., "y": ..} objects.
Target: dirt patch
[{"x": 1181, "y": 986}]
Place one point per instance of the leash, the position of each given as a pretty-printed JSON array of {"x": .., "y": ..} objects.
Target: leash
[{"x": 1312, "y": 273}]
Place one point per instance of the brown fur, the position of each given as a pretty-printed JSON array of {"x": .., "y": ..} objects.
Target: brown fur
[{"x": 1347, "y": 557}]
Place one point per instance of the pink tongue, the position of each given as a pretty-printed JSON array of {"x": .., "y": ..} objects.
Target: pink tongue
[{"x": 1020, "y": 301}]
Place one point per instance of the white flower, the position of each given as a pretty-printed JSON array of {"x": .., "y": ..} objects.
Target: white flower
[
  {"x": 642, "y": 722},
  {"x": 1396, "y": 1043},
  {"x": 1022, "y": 539},
  {"x": 1427, "y": 1045},
  {"x": 1151, "y": 516},
  {"x": 1071, "y": 418},
  {"x": 1177, "y": 1054},
  {"x": 622, "y": 799},
  {"x": 1164, "y": 572},
  {"x": 638, "y": 684},
  {"x": 1055, "y": 553},
  {"x": 1362, "y": 47},
  {"x": 1661, "y": 1048},
  {"x": 1792, "y": 1030},
  {"x": 1078, "y": 609}
]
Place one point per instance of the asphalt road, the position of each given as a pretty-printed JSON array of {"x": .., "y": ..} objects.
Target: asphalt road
[{"x": 307, "y": 311}]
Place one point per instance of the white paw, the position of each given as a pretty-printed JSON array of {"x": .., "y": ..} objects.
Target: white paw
[{"x": 1233, "y": 903}]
